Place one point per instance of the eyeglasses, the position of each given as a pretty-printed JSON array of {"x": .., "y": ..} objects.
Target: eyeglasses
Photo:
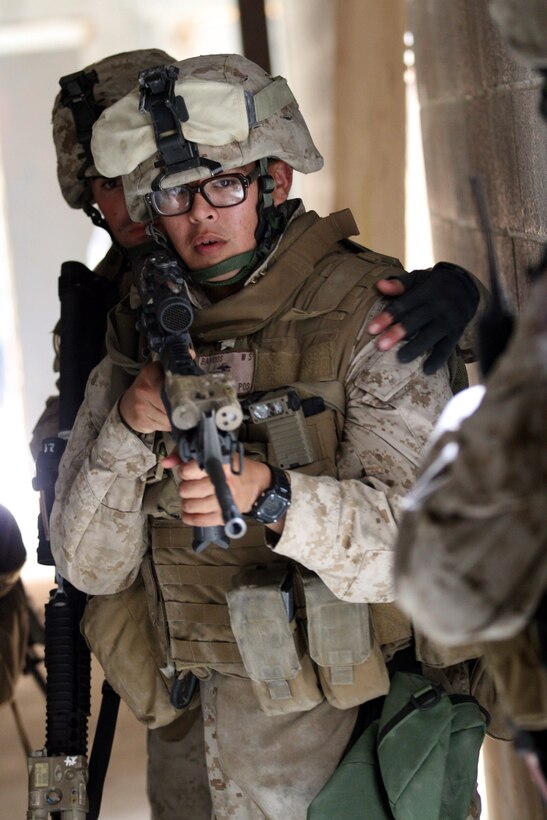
[{"x": 220, "y": 192}]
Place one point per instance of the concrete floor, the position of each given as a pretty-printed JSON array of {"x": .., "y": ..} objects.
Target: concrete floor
[{"x": 124, "y": 796}]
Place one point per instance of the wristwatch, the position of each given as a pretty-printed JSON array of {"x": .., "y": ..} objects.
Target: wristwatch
[{"x": 273, "y": 503}]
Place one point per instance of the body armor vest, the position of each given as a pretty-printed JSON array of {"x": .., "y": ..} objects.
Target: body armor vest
[{"x": 299, "y": 322}]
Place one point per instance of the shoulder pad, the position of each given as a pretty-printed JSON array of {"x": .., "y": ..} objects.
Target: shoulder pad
[{"x": 370, "y": 256}]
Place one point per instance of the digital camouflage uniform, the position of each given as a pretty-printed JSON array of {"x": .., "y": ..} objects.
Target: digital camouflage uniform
[
  {"x": 471, "y": 550},
  {"x": 340, "y": 527}
]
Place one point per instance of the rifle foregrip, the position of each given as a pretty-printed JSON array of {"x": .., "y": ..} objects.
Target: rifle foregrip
[{"x": 68, "y": 668}]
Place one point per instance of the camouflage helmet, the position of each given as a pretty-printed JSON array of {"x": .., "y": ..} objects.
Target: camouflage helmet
[
  {"x": 109, "y": 80},
  {"x": 230, "y": 112}
]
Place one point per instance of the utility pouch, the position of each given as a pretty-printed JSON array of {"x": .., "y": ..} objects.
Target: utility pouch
[
  {"x": 262, "y": 617},
  {"x": 119, "y": 632},
  {"x": 350, "y": 665}
]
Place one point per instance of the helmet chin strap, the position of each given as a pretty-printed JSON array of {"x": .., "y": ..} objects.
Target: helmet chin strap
[
  {"x": 100, "y": 222},
  {"x": 238, "y": 263},
  {"x": 96, "y": 217}
]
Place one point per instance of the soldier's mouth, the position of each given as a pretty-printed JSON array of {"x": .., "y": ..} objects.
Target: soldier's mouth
[{"x": 205, "y": 246}]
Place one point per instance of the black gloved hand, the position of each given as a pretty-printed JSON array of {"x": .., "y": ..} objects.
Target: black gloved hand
[{"x": 435, "y": 309}]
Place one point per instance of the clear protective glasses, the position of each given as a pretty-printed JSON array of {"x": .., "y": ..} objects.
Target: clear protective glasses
[{"x": 221, "y": 192}]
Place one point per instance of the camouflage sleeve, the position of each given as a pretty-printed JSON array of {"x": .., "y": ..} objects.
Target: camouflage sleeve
[
  {"x": 97, "y": 528},
  {"x": 471, "y": 549},
  {"x": 345, "y": 529}
]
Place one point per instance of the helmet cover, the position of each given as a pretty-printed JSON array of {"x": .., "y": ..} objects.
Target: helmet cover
[
  {"x": 116, "y": 76},
  {"x": 237, "y": 114}
]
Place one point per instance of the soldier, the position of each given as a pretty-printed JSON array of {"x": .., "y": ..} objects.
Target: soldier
[
  {"x": 471, "y": 546},
  {"x": 78, "y": 104},
  {"x": 282, "y": 299},
  {"x": 82, "y": 101}
]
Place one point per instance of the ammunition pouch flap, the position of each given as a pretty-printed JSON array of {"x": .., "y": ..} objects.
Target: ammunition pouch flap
[
  {"x": 351, "y": 669},
  {"x": 392, "y": 629},
  {"x": 262, "y": 619},
  {"x": 338, "y": 632}
]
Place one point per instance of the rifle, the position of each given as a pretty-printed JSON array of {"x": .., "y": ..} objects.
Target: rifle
[
  {"x": 59, "y": 773},
  {"x": 202, "y": 407}
]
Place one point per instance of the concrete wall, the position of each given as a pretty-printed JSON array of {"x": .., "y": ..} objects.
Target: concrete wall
[{"x": 479, "y": 114}]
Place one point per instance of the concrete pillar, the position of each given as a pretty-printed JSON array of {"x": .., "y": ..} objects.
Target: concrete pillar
[
  {"x": 304, "y": 53},
  {"x": 369, "y": 124},
  {"x": 479, "y": 114}
]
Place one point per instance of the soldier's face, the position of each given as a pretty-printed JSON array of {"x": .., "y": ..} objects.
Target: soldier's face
[
  {"x": 108, "y": 194},
  {"x": 207, "y": 235}
]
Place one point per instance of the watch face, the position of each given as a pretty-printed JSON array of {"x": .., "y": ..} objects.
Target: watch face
[
  {"x": 273, "y": 507},
  {"x": 275, "y": 501}
]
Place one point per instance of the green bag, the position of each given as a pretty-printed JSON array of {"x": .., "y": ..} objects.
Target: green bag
[{"x": 418, "y": 761}]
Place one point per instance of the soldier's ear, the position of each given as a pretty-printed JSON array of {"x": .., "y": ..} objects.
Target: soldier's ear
[{"x": 282, "y": 177}]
